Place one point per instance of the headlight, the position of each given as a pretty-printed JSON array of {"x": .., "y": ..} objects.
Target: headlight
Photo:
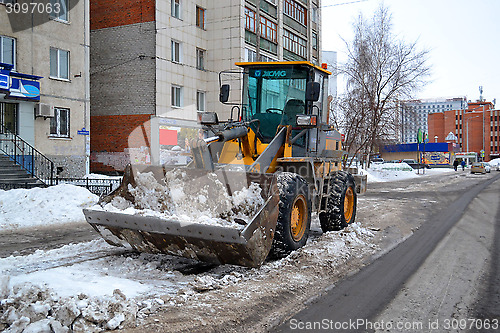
[{"x": 306, "y": 120}]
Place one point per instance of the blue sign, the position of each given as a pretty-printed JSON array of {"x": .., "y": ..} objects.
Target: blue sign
[
  {"x": 24, "y": 89},
  {"x": 4, "y": 79},
  {"x": 18, "y": 85},
  {"x": 83, "y": 131}
]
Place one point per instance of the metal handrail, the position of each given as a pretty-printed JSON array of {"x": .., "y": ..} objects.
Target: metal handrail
[{"x": 26, "y": 156}]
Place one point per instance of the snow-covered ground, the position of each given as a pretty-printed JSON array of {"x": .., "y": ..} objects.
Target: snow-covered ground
[{"x": 93, "y": 286}]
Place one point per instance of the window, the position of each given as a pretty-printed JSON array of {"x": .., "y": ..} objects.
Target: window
[
  {"x": 200, "y": 17},
  {"x": 59, "y": 124},
  {"x": 268, "y": 29},
  {"x": 8, "y": 50},
  {"x": 61, "y": 10},
  {"x": 314, "y": 41},
  {"x": 176, "y": 51},
  {"x": 176, "y": 8},
  {"x": 250, "y": 20},
  {"x": 314, "y": 14},
  {"x": 250, "y": 55},
  {"x": 59, "y": 64},
  {"x": 295, "y": 11},
  {"x": 200, "y": 101},
  {"x": 8, "y": 117},
  {"x": 265, "y": 58},
  {"x": 176, "y": 96},
  {"x": 200, "y": 59},
  {"x": 294, "y": 43}
]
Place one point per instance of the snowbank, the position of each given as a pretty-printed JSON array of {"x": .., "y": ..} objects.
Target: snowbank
[
  {"x": 495, "y": 162},
  {"x": 387, "y": 172},
  {"x": 43, "y": 206}
]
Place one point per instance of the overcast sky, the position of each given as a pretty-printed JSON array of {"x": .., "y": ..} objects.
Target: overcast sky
[{"x": 463, "y": 37}]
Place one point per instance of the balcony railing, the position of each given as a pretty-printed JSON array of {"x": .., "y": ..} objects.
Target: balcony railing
[{"x": 25, "y": 155}]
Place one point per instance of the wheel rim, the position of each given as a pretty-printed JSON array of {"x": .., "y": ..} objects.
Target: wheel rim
[
  {"x": 348, "y": 204},
  {"x": 298, "y": 218}
]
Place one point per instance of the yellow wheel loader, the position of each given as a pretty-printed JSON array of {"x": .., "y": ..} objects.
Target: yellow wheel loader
[{"x": 280, "y": 146}]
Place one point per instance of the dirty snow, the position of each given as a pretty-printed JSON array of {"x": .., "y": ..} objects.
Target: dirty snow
[
  {"x": 183, "y": 201},
  {"x": 91, "y": 287}
]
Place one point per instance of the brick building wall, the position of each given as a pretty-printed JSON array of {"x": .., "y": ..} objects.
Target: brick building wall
[
  {"x": 123, "y": 70},
  {"x": 123, "y": 82},
  {"x": 436, "y": 126},
  {"x": 475, "y": 130},
  {"x": 118, "y": 140},
  {"x": 114, "y": 13}
]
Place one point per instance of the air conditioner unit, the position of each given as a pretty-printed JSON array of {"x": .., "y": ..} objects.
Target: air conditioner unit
[{"x": 44, "y": 110}]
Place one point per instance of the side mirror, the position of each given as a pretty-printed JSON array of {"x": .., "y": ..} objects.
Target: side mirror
[
  {"x": 224, "y": 93},
  {"x": 312, "y": 91}
]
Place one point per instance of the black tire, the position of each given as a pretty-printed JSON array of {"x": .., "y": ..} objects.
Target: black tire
[
  {"x": 336, "y": 217},
  {"x": 294, "y": 205}
]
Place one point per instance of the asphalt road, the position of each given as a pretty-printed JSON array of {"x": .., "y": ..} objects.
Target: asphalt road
[
  {"x": 445, "y": 273},
  {"x": 27, "y": 241}
]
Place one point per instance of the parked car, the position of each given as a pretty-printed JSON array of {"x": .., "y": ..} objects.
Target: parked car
[
  {"x": 377, "y": 160},
  {"x": 478, "y": 167},
  {"x": 487, "y": 167}
]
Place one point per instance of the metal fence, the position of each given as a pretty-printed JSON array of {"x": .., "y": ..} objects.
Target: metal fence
[
  {"x": 98, "y": 186},
  {"x": 13, "y": 186}
]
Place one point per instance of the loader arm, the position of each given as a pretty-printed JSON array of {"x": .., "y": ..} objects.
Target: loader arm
[{"x": 265, "y": 161}]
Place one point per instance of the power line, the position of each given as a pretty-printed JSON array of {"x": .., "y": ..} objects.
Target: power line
[{"x": 343, "y": 3}]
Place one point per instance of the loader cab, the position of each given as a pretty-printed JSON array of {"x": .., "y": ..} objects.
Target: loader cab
[{"x": 274, "y": 93}]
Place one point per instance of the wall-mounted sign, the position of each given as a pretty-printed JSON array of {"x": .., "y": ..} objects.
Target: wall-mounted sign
[
  {"x": 24, "y": 89},
  {"x": 18, "y": 85},
  {"x": 83, "y": 131},
  {"x": 4, "y": 79}
]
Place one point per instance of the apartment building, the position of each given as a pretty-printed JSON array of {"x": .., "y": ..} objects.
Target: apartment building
[
  {"x": 414, "y": 114},
  {"x": 155, "y": 64},
  {"x": 44, "y": 80},
  {"x": 475, "y": 128}
]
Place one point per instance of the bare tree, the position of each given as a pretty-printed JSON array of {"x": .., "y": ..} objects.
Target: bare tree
[{"x": 380, "y": 71}]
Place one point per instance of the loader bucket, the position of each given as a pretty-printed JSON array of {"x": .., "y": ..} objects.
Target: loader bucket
[{"x": 231, "y": 239}]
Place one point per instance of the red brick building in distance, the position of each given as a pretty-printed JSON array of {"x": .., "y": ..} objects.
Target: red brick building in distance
[{"x": 475, "y": 128}]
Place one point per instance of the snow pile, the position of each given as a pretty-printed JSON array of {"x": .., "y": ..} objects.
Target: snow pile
[
  {"x": 30, "y": 308},
  {"x": 495, "y": 162},
  {"x": 43, "y": 206},
  {"x": 82, "y": 287},
  {"x": 189, "y": 201},
  {"x": 338, "y": 246},
  {"x": 387, "y": 172}
]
